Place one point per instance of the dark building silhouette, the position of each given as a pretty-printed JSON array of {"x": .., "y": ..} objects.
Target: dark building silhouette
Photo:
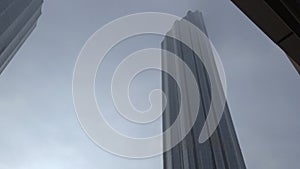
[
  {"x": 279, "y": 20},
  {"x": 17, "y": 20},
  {"x": 222, "y": 150}
]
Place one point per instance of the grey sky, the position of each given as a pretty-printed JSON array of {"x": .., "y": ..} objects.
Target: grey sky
[{"x": 38, "y": 123}]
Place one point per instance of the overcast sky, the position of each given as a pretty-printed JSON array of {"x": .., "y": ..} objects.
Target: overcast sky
[{"x": 38, "y": 123}]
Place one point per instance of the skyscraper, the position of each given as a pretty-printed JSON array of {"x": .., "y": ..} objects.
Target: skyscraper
[
  {"x": 17, "y": 20},
  {"x": 221, "y": 150}
]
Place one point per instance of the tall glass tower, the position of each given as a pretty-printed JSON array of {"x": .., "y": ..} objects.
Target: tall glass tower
[
  {"x": 17, "y": 20},
  {"x": 221, "y": 150}
]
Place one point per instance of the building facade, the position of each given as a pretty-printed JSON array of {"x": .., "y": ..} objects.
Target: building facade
[
  {"x": 17, "y": 20},
  {"x": 279, "y": 20},
  {"x": 221, "y": 150}
]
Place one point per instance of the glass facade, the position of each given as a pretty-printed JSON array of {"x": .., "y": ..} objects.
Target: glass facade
[
  {"x": 222, "y": 150},
  {"x": 18, "y": 18}
]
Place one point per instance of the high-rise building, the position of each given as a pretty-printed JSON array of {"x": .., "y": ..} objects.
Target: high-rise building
[
  {"x": 221, "y": 150},
  {"x": 17, "y": 20},
  {"x": 279, "y": 20}
]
